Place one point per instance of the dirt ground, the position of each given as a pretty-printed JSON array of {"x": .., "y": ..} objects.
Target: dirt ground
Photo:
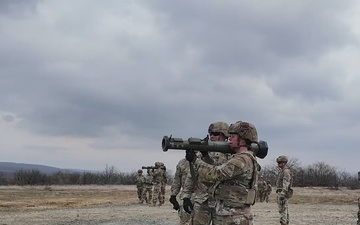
[{"x": 110, "y": 205}]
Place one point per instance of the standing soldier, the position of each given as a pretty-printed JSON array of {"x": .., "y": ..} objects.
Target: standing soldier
[
  {"x": 163, "y": 183},
  {"x": 236, "y": 179},
  {"x": 139, "y": 181},
  {"x": 147, "y": 190},
  {"x": 268, "y": 190},
  {"x": 204, "y": 207},
  {"x": 182, "y": 170},
  {"x": 157, "y": 175},
  {"x": 283, "y": 189}
]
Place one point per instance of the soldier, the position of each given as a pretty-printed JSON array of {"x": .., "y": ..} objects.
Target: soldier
[
  {"x": 163, "y": 183},
  {"x": 204, "y": 207},
  {"x": 283, "y": 188},
  {"x": 157, "y": 175},
  {"x": 236, "y": 179},
  {"x": 182, "y": 170},
  {"x": 262, "y": 186},
  {"x": 147, "y": 190},
  {"x": 268, "y": 190},
  {"x": 139, "y": 181}
]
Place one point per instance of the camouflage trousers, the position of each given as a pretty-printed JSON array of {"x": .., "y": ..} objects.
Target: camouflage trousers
[
  {"x": 202, "y": 214},
  {"x": 157, "y": 195},
  {"x": 163, "y": 189},
  {"x": 233, "y": 220},
  {"x": 139, "y": 192},
  {"x": 284, "y": 211},
  {"x": 267, "y": 195},
  {"x": 184, "y": 216},
  {"x": 147, "y": 194}
]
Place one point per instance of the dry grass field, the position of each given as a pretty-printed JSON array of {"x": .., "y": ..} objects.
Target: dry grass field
[{"x": 118, "y": 205}]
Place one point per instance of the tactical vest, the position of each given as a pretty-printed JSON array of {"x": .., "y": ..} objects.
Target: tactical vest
[
  {"x": 279, "y": 184},
  {"x": 280, "y": 181},
  {"x": 148, "y": 180},
  {"x": 233, "y": 193}
]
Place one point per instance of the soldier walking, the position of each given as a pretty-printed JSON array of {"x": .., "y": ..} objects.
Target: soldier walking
[
  {"x": 262, "y": 186},
  {"x": 157, "y": 175},
  {"x": 283, "y": 189},
  {"x": 147, "y": 190},
  {"x": 268, "y": 191},
  {"x": 139, "y": 181},
  {"x": 163, "y": 183}
]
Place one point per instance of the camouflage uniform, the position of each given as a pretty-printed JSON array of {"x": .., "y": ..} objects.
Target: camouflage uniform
[
  {"x": 268, "y": 191},
  {"x": 157, "y": 175},
  {"x": 182, "y": 170},
  {"x": 163, "y": 183},
  {"x": 139, "y": 181},
  {"x": 204, "y": 202},
  {"x": 283, "y": 190},
  {"x": 262, "y": 188},
  {"x": 233, "y": 180},
  {"x": 148, "y": 185}
]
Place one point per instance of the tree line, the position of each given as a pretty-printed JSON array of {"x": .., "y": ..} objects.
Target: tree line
[
  {"x": 318, "y": 174},
  {"x": 109, "y": 176}
]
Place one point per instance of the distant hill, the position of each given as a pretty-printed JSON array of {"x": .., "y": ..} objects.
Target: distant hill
[{"x": 9, "y": 168}]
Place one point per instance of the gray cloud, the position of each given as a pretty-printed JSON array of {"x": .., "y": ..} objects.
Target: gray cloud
[
  {"x": 8, "y": 118},
  {"x": 17, "y": 8},
  {"x": 124, "y": 75}
]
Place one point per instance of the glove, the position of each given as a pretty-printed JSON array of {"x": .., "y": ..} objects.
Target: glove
[
  {"x": 282, "y": 200},
  {"x": 190, "y": 155},
  {"x": 174, "y": 202},
  {"x": 204, "y": 153},
  {"x": 187, "y": 205}
]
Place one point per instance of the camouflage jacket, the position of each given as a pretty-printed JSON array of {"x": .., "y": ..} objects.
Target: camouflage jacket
[
  {"x": 157, "y": 175},
  {"x": 182, "y": 170},
  {"x": 139, "y": 180},
  {"x": 284, "y": 180},
  {"x": 262, "y": 186},
  {"x": 233, "y": 180},
  {"x": 201, "y": 189},
  {"x": 148, "y": 181},
  {"x": 164, "y": 178}
]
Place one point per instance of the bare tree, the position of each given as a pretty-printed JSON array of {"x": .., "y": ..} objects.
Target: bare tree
[
  {"x": 321, "y": 174},
  {"x": 110, "y": 174}
]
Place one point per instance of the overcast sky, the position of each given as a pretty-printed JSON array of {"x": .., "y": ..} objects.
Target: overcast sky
[{"x": 85, "y": 84}]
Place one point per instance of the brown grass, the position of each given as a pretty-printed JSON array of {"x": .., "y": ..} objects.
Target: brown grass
[
  {"x": 16, "y": 198},
  {"x": 317, "y": 195}
]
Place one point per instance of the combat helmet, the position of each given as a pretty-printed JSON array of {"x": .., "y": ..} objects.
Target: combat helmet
[
  {"x": 282, "y": 158},
  {"x": 221, "y": 127},
  {"x": 157, "y": 164},
  {"x": 140, "y": 171},
  {"x": 245, "y": 130}
]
